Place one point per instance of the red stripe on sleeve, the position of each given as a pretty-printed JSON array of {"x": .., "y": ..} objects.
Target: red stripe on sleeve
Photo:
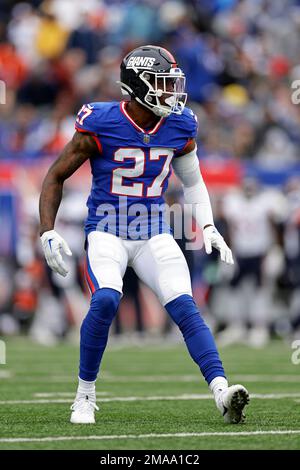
[
  {"x": 97, "y": 140},
  {"x": 83, "y": 130},
  {"x": 92, "y": 134}
]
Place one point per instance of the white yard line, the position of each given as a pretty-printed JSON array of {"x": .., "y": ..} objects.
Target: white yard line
[
  {"x": 268, "y": 396},
  {"x": 265, "y": 378},
  {"x": 148, "y": 436},
  {"x": 106, "y": 377},
  {"x": 197, "y": 378},
  {"x": 5, "y": 374},
  {"x": 63, "y": 394}
]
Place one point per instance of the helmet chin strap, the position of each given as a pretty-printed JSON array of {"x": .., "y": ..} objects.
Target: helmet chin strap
[
  {"x": 155, "y": 109},
  {"x": 170, "y": 101},
  {"x": 160, "y": 112},
  {"x": 164, "y": 112}
]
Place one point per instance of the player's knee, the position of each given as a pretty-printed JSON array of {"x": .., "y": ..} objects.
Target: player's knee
[
  {"x": 173, "y": 287},
  {"x": 104, "y": 303},
  {"x": 182, "y": 307},
  {"x": 185, "y": 313}
]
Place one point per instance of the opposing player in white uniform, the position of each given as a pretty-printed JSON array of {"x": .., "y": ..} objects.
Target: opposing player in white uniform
[
  {"x": 252, "y": 216},
  {"x": 130, "y": 146}
]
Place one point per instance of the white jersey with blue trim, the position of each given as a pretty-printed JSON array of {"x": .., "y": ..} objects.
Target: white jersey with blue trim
[{"x": 131, "y": 170}]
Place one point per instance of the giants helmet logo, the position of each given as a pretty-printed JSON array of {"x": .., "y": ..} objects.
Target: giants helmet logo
[{"x": 140, "y": 62}]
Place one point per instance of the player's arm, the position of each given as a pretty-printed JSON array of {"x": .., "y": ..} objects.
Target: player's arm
[
  {"x": 186, "y": 167},
  {"x": 76, "y": 152}
]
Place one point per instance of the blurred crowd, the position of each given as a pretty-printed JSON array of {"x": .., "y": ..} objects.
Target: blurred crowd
[{"x": 240, "y": 59}]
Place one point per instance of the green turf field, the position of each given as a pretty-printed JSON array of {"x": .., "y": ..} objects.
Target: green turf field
[{"x": 150, "y": 397}]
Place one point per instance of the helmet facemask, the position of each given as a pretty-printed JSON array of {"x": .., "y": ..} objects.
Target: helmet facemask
[{"x": 165, "y": 93}]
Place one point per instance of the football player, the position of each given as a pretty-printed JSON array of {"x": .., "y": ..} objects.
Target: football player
[{"x": 131, "y": 146}]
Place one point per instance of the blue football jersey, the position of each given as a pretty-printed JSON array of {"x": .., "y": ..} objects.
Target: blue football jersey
[{"x": 131, "y": 171}]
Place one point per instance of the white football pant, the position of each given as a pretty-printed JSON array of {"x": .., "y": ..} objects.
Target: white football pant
[{"x": 158, "y": 262}]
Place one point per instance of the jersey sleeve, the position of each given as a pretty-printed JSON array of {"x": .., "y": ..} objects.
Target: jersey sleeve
[
  {"x": 192, "y": 124},
  {"x": 188, "y": 129},
  {"x": 87, "y": 119}
]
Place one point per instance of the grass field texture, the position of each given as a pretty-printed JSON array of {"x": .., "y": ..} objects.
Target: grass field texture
[{"x": 151, "y": 396}]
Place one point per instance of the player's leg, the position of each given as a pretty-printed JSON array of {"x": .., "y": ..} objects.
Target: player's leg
[
  {"x": 168, "y": 276},
  {"x": 235, "y": 331},
  {"x": 105, "y": 266},
  {"x": 260, "y": 311}
]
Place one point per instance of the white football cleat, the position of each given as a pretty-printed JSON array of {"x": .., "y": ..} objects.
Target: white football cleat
[
  {"x": 83, "y": 411},
  {"x": 231, "y": 403}
]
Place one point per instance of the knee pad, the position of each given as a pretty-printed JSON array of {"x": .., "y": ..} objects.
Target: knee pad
[
  {"x": 185, "y": 314},
  {"x": 104, "y": 304}
]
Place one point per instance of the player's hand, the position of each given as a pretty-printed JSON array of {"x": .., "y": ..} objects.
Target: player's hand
[
  {"x": 212, "y": 238},
  {"x": 52, "y": 244}
]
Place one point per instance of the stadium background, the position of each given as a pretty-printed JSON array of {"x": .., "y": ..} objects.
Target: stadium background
[{"x": 240, "y": 59}]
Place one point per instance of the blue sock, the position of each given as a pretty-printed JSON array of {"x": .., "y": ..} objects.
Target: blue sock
[
  {"x": 94, "y": 331},
  {"x": 197, "y": 336}
]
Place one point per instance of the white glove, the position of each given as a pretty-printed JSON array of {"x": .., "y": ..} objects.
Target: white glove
[
  {"x": 52, "y": 244},
  {"x": 212, "y": 238}
]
